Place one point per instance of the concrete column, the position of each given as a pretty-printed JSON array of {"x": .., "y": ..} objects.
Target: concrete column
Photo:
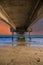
[
  {"x": 12, "y": 38},
  {"x": 29, "y": 37},
  {"x": 12, "y": 30}
]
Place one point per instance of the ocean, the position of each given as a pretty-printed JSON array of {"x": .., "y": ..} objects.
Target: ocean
[{"x": 36, "y": 40}]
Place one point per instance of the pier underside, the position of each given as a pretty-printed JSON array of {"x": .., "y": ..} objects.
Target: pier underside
[{"x": 21, "y": 14}]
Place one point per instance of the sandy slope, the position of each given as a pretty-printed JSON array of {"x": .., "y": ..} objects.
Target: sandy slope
[{"x": 21, "y": 55}]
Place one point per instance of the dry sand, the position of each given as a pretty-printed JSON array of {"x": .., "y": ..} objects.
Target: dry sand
[{"x": 21, "y": 55}]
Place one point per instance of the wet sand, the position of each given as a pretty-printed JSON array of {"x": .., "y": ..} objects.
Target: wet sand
[{"x": 21, "y": 55}]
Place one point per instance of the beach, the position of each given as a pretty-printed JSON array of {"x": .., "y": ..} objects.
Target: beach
[{"x": 21, "y": 55}]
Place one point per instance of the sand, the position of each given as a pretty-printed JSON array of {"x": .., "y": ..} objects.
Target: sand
[{"x": 21, "y": 55}]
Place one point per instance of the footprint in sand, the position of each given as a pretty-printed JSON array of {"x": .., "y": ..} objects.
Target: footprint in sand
[
  {"x": 11, "y": 62},
  {"x": 38, "y": 59}
]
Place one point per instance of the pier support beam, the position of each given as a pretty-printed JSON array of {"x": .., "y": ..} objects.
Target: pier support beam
[
  {"x": 12, "y": 38},
  {"x": 12, "y": 30},
  {"x": 21, "y": 37},
  {"x": 30, "y": 30}
]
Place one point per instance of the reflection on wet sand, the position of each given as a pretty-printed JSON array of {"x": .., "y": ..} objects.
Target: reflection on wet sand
[{"x": 32, "y": 43}]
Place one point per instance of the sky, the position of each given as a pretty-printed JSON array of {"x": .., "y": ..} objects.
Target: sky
[
  {"x": 37, "y": 28},
  {"x": 4, "y": 28}
]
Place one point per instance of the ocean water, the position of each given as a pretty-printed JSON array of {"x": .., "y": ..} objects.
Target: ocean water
[
  {"x": 7, "y": 40},
  {"x": 35, "y": 42}
]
